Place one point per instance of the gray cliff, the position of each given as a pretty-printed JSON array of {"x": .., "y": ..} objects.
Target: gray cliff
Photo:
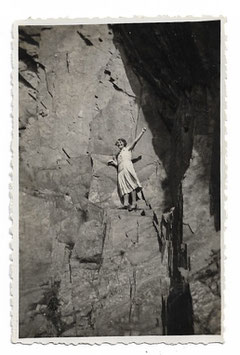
[{"x": 88, "y": 268}]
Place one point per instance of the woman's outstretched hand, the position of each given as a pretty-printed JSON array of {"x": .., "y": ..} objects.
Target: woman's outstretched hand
[
  {"x": 144, "y": 129},
  {"x": 112, "y": 161}
]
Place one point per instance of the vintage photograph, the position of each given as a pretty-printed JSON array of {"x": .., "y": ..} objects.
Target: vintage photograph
[{"x": 119, "y": 179}]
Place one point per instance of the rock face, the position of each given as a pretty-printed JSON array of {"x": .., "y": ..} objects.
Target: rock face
[{"x": 88, "y": 268}]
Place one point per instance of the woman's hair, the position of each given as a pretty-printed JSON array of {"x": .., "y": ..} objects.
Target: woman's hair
[{"x": 121, "y": 140}]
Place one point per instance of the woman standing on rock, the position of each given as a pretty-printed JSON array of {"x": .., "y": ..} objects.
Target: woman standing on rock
[{"x": 128, "y": 183}]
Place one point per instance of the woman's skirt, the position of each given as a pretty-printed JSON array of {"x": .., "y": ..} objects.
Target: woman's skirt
[{"x": 128, "y": 181}]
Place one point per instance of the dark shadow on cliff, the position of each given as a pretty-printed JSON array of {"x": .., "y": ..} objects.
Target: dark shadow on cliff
[
  {"x": 176, "y": 66},
  {"x": 179, "y": 311}
]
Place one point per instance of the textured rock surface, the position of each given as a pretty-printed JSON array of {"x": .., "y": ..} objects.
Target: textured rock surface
[
  {"x": 87, "y": 267},
  {"x": 102, "y": 262}
]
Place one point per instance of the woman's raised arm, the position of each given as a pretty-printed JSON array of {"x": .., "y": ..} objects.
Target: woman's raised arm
[{"x": 132, "y": 145}]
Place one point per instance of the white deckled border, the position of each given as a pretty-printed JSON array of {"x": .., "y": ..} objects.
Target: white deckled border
[{"x": 14, "y": 190}]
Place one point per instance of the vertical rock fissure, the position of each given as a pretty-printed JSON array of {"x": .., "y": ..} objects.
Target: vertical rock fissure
[
  {"x": 68, "y": 62},
  {"x": 69, "y": 248},
  {"x": 139, "y": 105},
  {"x": 132, "y": 296}
]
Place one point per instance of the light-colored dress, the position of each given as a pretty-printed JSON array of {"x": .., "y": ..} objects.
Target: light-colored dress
[{"x": 127, "y": 177}]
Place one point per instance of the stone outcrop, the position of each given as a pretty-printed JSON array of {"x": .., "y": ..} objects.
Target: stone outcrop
[{"x": 88, "y": 268}]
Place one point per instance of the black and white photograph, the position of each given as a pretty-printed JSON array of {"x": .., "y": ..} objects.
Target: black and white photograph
[{"x": 119, "y": 168}]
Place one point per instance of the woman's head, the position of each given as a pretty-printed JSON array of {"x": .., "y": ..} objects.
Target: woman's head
[{"x": 120, "y": 143}]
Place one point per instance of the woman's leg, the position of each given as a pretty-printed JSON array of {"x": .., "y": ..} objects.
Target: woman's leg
[
  {"x": 134, "y": 200},
  {"x": 134, "y": 197},
  {"x": 125, "y": 200}
]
